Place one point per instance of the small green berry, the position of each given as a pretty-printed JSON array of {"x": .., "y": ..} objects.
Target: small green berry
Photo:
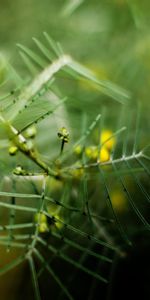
[
  {"x": 18, "y": 170},
  {"x": 78, "y": 150},
  {"x": 40, "y": 218},
  {"x": 30, "y": 132},
  {"x": 12, "y": 150},
  {"x": 91, "y": 152}
]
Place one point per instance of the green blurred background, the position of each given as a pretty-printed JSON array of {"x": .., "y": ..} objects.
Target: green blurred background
[{"x": 110, "y": 37}]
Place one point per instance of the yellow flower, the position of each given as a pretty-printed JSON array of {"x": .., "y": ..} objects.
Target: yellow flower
[
  {"x": 104, "y": 155},
  {"x": 118, "y": 200},
  {"x": 107, "y": 139}
]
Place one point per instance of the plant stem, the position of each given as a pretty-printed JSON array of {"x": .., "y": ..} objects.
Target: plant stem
[{"x": 21, "y": 143}]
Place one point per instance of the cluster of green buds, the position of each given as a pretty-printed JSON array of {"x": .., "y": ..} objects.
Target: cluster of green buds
[
  {"x": 63, "y": 135},
  {"x": 46, "y": 224},
  {"x": 94, "y": 153},
  {"x": 41, "y": 220},
  {"x": 19, "y": 171},
  {"x": 29, "y": 135}
]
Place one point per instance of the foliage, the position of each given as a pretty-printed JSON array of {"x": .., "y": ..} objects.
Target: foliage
[{"x": 74, "y": 169}]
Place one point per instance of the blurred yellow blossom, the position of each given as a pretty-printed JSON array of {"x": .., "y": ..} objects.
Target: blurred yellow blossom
[
  {"x": 119, "y": 201},
  {"x": 107, "y": 139},
  {"x": 104, "y": 155}
]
